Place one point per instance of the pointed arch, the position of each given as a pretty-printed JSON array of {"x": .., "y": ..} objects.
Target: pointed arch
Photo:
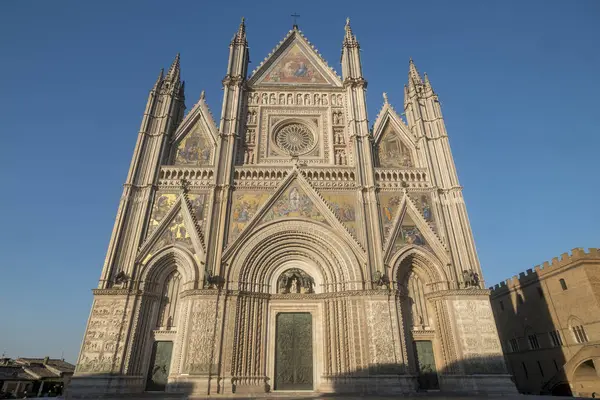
[
  {"x": 157, "y": 269},
  {"x": 421, "y": 261}
]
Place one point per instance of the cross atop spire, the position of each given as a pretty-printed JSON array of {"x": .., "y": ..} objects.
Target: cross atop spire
[{"x": 295, "y": 16}]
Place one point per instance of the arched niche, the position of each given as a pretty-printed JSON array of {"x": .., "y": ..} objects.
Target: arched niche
[{"x": 308, "y": 276}]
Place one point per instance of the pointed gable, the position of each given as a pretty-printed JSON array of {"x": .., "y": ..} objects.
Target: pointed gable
[
  {"x": 395, "y": 147},
  {"x": 294, "y": 62},
  {"x": 195, "y": 140}
]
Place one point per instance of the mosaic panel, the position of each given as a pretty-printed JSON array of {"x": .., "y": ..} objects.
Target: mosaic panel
[
  {"x": 194, "y": 149},
  {"x": 409, "y": 235},
  {"x": 162, "y": 205},
  {"x": 294, "y": 202},
  {"x": 344, "y": 207},
  {"x": 388, "y": 205},
  {"x": 199, "y": 204},
  {"x": 393, "y": 153},
  {"x": 294, "y": 67},
  {"x": 244, "y": 207}
]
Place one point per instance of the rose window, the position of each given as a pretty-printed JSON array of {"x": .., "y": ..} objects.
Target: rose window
[{"x": 295, "y": 139}]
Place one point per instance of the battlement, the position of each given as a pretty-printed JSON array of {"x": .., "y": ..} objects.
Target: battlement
[{"x": 533, "y": 274}]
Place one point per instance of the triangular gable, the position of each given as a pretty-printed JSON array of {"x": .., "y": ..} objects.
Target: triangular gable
[
  {"x": 176, "y": 228},
  {"x": 294, "y": 62},
  {"x": 295, "y": 198},
  {"x": 195, "y": 140},
  {"x": 395, "y": 147},
  {"x": 411, "y": 229},
  {"x": 389, "y": 115}
]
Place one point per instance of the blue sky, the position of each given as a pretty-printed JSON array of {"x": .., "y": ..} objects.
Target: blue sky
[{"x": 518, "y": 82}]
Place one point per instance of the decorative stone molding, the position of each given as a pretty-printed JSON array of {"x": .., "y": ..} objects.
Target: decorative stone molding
[{"x": 458, "y": 292}]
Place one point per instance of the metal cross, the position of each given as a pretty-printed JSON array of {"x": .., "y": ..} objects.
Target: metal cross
[{"x": 295, "y": 15}]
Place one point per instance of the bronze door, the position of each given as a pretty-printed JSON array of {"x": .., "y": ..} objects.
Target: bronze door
[
  {"x": 159, "y": 366},
  {"x": 428, "y": 378},
  {"x": 293, "y": 352}
]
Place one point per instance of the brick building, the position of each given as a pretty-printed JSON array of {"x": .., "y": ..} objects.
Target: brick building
[{"x": 548, "y": 319}]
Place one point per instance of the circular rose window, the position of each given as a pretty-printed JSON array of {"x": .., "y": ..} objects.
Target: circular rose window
[{"x": 295, "y": 139}]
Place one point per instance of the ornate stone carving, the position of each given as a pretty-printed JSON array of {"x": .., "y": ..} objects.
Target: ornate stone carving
[
  {"x": 381, "y": 337},
  {"x": 201, "y": 337},
  {"x": 295, "y": 139},
  {"x": 104, "y": 341},
  {"x": 477, "y": 335},
  {"x": 295, "y": 280}
]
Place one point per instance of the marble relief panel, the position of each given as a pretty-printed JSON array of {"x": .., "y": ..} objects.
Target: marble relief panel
[
  {"x": 477, "y": 335},
  {"x": 104, "y": 341}
]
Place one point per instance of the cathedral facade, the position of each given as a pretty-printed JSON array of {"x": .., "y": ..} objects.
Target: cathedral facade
[{"x": 288, "y": 245}]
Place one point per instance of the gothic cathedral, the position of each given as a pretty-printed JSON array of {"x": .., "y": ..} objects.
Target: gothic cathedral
[{"x": 289, "y": 245}]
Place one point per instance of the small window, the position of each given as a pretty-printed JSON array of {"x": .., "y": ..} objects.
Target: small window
[
  {"x": 540, "y": 367},
  {"x": 533, "y": 342},
  {"x": 540, "y": 292},
  {"x": 563, "y": 284},
  {"x": 579, "y": 333},
  {"x": 525, "y": 369},
  {"x": 514, "y": 345},
  {"x": 501, "y": 305},
  {"x": 556, "y": 339}
]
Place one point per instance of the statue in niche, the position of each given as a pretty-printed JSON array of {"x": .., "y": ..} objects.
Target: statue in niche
[{"x": 295, "y": 281}]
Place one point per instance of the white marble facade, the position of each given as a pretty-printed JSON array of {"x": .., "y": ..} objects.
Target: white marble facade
[{"x": 291, "y": 203}]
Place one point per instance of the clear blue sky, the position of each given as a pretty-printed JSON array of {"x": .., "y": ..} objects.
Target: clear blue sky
[{"x": 518, "y": 81}]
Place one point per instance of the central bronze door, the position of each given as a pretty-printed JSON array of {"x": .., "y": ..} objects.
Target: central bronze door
[
  {"x": 428, "y": 379},
  {"x": 293, "y": 352}
]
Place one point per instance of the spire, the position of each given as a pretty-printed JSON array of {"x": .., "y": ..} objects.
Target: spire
[
  {"x": 413, "y": 74},
  {"x": 385, "y": 98},
  {"x": 349, "y": 38},
  {"x": 161, "y": 75},
  {"x": 426, "y": 79},
  {"x": 240, "y": 35},
  {"x": 173, "y": 74}
]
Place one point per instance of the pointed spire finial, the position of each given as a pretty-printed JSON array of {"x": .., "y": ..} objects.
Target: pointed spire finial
[
  {"x": 202, "y": 95},
  {"x": 295, "y": 16},
  {"x": 385, "y": 98},
  {"x": 413, "y": 74},
  {"x": 426, "y": 79},
  {"x": 173, "y": 73},
  {"x": 349, "y": 38},
  {"x": 240, "y": 35}
]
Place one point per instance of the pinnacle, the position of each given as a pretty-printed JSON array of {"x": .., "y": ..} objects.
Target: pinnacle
[
  {"x": 413, "y": 74},
  {"x": 240, "y": 35},
  {"x": 174, "y": 70}
]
